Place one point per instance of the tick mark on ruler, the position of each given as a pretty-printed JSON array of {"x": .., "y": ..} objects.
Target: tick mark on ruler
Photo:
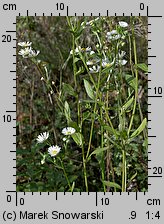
[
  {"x": 10, "y": 111},
  {"x": 136, "y": 196},
  {"x": 96, "y": 199},
  {"x": 155, "y": 96},
  {"x": 10, "y": 31},
  {"x": 155, "y": 176},
  {"x": 152, "y": 56},
  {"x": 155, "y": 16}
]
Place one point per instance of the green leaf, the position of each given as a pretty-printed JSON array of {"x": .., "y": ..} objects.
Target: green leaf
[
  {"x": 88, "y": 89},
  {"x": 143, "y": 67},
  {"x": 68, "y": 89},
  {"x": 98, "y": 150},
  {"x": 67, "y": 111},
  {"x": 112, "y": 184},
  {"x": 73, "y": 125},
  {"x": 78, "y": 138},
  {"x": 81, "y": 70},
  {"x": 76, "y": 59},
  {"x": 131, "y": 80},
  {"x": 127, "y": 105},
  {"x": 110, "y": 130},
  {"x": 139, "y": 129},
  {"x": 133, "y": 176}
]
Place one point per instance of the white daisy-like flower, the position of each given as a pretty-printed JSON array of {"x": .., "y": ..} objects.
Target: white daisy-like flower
[
  {"x": 54, "y": 150},
  {"x": 42, "y": 137},
  {"x": 106, "y": 63},
  {"x": 25, "y": 52},
  {"x": 88, "y": 49},
  {"x": 113, "y": 35},
  {"x": 34, "y": 53},
  {"x": 123, "y": 62},
  {"x": 64, "y": 139},
  {"x": 93, "y": 61},
  {"x": 94, "y": 69},
  {"x": 68, "y": 131},
  {"x": 77, "y": 50},
  {"x": 28, "y": 52},
  {"x": 92, "y": 52},
  {"x": 90, "y": 23},
  {"x": 25, "y": 44},
  {"x": 89, "y": 63},
  {"x": 121, "y": 54},
  {"x": 123, "y": 24}
]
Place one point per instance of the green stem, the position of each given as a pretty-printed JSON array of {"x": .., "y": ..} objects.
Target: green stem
[
  {"x": 136, "y": 77},
  {"x": 65, "y": 174},
  {"x": 102, "y": 144},
  {"x": 123, "y": 170},
  {"x": 94, "y": 111},
  {"x": 85, "y": 170}
]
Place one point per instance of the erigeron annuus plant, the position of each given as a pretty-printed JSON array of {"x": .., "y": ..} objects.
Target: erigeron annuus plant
[{"x": 103, "y": 107}]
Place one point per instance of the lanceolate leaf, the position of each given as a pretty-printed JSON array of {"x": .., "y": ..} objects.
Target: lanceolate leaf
[
  {"x": 68, "y": 89},
  {"x": 143, "y": 67},
  {"x": 78, "y": 138},
  {"x": 131, "y": 80},
  {"x": 89, "y": 89},
  {"x": 127, "y": 104},
  {"x": 112, "y": 184},
  {"x": 139, "y": 129},
  {"x": 67, "y": 111},
  {"x": 98, "y": 150}
]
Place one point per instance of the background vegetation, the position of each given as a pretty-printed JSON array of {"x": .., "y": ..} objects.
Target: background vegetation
[{"x": 41, "y": 106}]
